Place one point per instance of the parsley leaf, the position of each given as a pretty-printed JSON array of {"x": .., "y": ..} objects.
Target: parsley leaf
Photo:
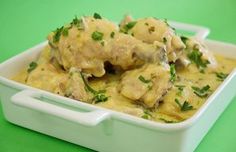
[
  {"x": 167, "y": 121},
  {"x": 195, "y": 57},
  {"x": 77, "y": 22},
  {"x": 180, "y": 88},
  {"x": 112, "y": 34},
  {"x": 99, "y": 96},
  {"x": 57, "y": 34},
  {"x": 97, "y": 36},
  {"x": 65, "y": 31},
  {"x": 184, "y": 39},
  {"x": 201, "y": 92},
  {"x": 97, "y": 16},
  {"x": 146, "y": 115},
  {"x": 32, "y": 66},
  {"x": 141, "y": 78},
  {"x": 128, "y": 26},
  {"x": 185, "y": 106},
  {"x": 221, "y": 76},
  {"x": 172, "y": 73}
]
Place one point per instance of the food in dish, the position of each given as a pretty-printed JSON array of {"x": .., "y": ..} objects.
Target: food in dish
[{"x": 141, "y": 67}]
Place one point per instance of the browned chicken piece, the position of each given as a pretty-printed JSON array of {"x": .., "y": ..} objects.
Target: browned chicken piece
[
  {"x": 150, "y": 30},
  {"x": 146, "y": 85}
]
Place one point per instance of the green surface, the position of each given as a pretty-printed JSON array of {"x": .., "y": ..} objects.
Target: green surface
[{"x": 26, "y": 23}]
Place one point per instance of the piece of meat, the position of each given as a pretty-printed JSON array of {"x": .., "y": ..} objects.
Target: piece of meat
[
  {"x": 75, "y": 87},
  {"x": 45, "y": 76},
  {"x": 80, "y": 49},
  {"x": 150, "y": 30},
  {"x": 146, "y": 85},
  {"x": 193, "y": 44},
  {"x": 128, "y": 52}
]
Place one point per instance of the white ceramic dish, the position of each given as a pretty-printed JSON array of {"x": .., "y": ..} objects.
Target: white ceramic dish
[{"x": 102, "y": 129}]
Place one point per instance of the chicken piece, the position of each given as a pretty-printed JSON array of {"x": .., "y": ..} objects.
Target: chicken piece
[
  {"x": 146, "y": 85},
  {"x": 45, "y": 76},
  {"x": 128, "y": 52},
  {"x": 79, "y": 48},
  {"x": 83, "y": 45},
  {"x": 205, "y": 55},
  {"x": 75, "y": 87},
  {"x": 150, "y": 30}
]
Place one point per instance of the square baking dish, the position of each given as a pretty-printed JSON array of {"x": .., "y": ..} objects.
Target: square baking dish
[{"x": 102, "y": 129}]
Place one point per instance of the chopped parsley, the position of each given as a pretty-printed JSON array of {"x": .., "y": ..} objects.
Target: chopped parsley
[
  {"x": 180, "y": 89},
  {"x": 164, "y": 40},
  {"x": 78, "y": 23},
  {"x": 184, "y": 39},
  {"x": 185, "y": 106},
  {"x": 97, "y": 16},
  {"x": 65, "y": 31},
  {"x": 201, "y": 92},
  {"x": 146, "y": 115},
  {"x": 32, "y": 66},
  {"x": 99, "y": 96},
  {"x": 141, "y": 78},
  {"x": 57, "y": 34},
  {"x": 172, "y": 73},
  {"x": 97, "y": 36},
  {"x": 112, "y": 34},
  {"x": 221, "y": 76},
  {"x": 60, "y": 31},
  {"x": 146, "y": 81},
  {"x": 195, "y": 57},
  {"x": 128, "y": 26},
  {"x": 167, "y": 121}
]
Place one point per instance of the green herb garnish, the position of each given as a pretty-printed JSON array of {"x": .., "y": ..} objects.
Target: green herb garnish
[
  {"x": 147, "y": 114},
  {"x": 112, "y": 34},
  {"x": 180, "y": 88},
  {"x": 195, "y": 57},
  {"x": 184, "y": 39},
  {"x": 167, "y": 121},
  {"x": 32, "y": 66},
  {"x": 97, "y": 36},
  {"x": 164, "y": 40},
  {"x": 99, "y": 96},
  {"x": 185, "y": 106},
  {"x": 201, "y": 92},
  {"x": 57, "y": 34},
  {"x": 221, "y": 76},
  {"x": 141, "y": 78},
  {"x": 97, "y": 16},
  {"x": 78, "y": 23},
  {"x": 172, "y": 73},
  {"x": 65, "y": 31},
  {"x": 128, "y": 26}
]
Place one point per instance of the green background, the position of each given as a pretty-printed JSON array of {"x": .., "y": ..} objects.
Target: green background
[{"x": 25, "y": 23}]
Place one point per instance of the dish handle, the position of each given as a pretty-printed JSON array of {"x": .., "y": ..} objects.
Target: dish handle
[
  {"x": 31, "y": 99},
  {"x": 200, "y": 32}
]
